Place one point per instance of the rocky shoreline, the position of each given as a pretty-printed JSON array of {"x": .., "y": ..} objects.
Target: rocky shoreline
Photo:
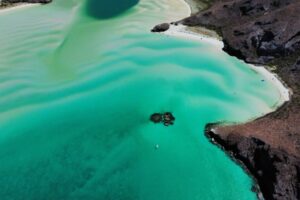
[
  {"x": 258, "y": 32},
  {"x": 12, "y": 3},
  {"x": 267, "y": 33}
]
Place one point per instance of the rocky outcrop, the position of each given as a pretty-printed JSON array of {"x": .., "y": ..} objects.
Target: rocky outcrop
[
  {"x": 166, "y": 118},
  {"x": 6, "y": 3},
  {"x": 161, "y": 27},
  {"x": 276, "y": 172},
  {"x": 26, "y": 1},
  {"x": 264, "y": 32}
]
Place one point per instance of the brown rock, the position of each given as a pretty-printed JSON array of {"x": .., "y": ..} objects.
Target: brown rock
[{"x": 156, "y": 118}]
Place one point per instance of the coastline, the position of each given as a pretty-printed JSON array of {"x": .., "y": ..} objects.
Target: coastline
[
  {"x": 230, "y": 164},
  {"x": 17, "y": 7},
  {"x": 265, "y": 162},
  {"x": 216, "y": 140},
  {"x": 268, "y": 146},
  {"x": 213, "y": 132},
  {"x": 284, "y": 90},
  {"x": 183, "y": 32}
]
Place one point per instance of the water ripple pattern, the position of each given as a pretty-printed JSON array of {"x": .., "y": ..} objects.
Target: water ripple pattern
[{"x": 77, "y": 87}]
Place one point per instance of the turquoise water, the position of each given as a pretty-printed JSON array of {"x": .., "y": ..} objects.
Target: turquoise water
[{"x": 77, "y": 88}]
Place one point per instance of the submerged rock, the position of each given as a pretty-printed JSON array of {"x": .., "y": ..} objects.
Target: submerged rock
[
  {"x": 161, "y": 27},
  {"x": 156, "y": 117},
  {"x": 166, "y": 118}
]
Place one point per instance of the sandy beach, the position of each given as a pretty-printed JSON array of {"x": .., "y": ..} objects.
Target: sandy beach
[
  {"x": 183, "y": 32},
  {"x": 285, "y": 92}
]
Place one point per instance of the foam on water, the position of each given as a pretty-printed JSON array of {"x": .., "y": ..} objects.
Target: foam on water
[{"x": 76, "y": 93}]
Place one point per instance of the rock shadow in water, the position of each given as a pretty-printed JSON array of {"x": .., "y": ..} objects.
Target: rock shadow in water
[{"x": 105, "y": 9}]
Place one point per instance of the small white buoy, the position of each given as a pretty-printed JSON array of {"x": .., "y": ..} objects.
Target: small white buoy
[{"x": 156, "y": 146}]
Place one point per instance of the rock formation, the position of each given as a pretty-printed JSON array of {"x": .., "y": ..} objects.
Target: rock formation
[
  {"x": 166, "y": 118},
  {"x": 161, "y": 27},
  {"x": 7, "y": 3}
]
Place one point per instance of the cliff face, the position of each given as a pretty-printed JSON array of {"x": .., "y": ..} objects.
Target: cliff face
[
  {"x": 276, "y": 171},
  {"x": 264, "y": 32}
]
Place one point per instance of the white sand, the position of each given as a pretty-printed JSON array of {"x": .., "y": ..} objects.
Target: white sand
[
  {"x": 188, "y": 7},
  {"x": 183, "y": 32},
  {"x": 17, "y": 7},
  {"x": 272, "y": 77}
]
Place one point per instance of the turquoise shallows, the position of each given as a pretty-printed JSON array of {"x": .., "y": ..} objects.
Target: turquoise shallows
[{"x": 77, "y": 91}]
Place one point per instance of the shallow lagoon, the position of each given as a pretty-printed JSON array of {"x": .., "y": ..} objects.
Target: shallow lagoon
[{"x": 77, "y": 91}]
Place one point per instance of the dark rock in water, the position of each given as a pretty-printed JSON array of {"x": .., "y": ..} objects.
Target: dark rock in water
[
  {"x": 166, "y": 118},
  {"x": 161, "y": 27},
  {"x": 156, "y": 118}
]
